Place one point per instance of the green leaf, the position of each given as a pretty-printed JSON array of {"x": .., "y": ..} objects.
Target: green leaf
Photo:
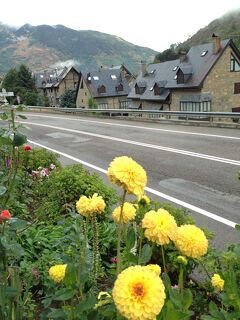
[
  {"x": 17, "y": 224},
  {"x": 19, "y": 139},
  {"x": 237, "y": 227},
  {"x": 4, "y": 116},
  {"x": 20, "y": 108},
  {"x": 11, "y": 292},
  {"x": 214, "y": 309},
  {"x": 64, "y": 294},
  {"x": 87, "y": 304},
  {"x": 130, "y": 241},
  {"x": 5, "y": 141},
  {"x": 187, "y": 298},
  {"x": 22, "y": 116},
  {"x": 146, "y": 254},
  {"x": 2, "y": 190},
  {"x": 57, "y": 314}
]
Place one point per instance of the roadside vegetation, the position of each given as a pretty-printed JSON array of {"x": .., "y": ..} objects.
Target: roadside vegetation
[{"x": 72, "y": 248}]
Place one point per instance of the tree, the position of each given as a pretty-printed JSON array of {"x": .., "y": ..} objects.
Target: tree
[
  {"x": 22, "y": 83},
  {"x": 67, "y": 100},
  {"x": 92, "y": 103}
]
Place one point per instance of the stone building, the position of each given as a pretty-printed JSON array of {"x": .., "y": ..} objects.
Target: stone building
[
  {"x": 54, "y": 83},
  {"x": 107, "y": 88},
  {"x": 207, "y": 78}
]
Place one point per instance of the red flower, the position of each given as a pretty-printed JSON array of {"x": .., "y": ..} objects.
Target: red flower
[
  {"x": 5, "y": 215},
  {"x": 27, "y": 148}
]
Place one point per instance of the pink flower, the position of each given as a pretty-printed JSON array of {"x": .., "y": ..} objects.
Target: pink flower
[
  {"x": 52, "y": 166},
  {"x": 175, "y": 286},
  {"x": 36, "y": 273},
  {"x": 114, "y": 260},
  {"x": 8, "y": 162},
  {"x": 27, "y": 148},
  {"x": 5, "y": 215},
  {"x": 44, "y": 172}
]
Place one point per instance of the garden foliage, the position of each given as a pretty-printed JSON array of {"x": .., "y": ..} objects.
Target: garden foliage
[{"x": 70, "y": 248}]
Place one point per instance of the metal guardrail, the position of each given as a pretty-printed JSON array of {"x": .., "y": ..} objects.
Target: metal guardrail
[{"x": 152, "y": 114}]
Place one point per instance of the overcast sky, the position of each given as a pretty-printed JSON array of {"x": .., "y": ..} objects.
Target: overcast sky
[{"x": 154, "y": 23}]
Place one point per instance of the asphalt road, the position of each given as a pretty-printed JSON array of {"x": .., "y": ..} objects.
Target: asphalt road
[{"x": 195, "y": 165}]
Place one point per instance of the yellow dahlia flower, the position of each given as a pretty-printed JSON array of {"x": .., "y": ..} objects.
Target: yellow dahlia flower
[
  {"x": 155, "y": 268},
  {"x": 129, "y": 212},
  {"x": 57, "y": 272},
  {"x": 160, "y": 226},
  {"x": 89, "y": 206},
  {"x": 139, "y": 293},
  {"x": 191, "y": 241},
  {"x": 217, "y": 282},
  {"x": 128, "y": 174}
]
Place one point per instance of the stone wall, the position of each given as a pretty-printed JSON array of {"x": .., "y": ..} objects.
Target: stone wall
[{"x": 220, "y": 83}]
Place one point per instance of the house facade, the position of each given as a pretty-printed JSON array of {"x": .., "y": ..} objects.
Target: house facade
[
  {"x": 52, "y": 84},
  {"x": 106, "y": 88},
  {"x": 207, "y": 78}
]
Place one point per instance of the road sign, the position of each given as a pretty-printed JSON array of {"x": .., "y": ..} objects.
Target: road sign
[{"x": 5, "y": 94}]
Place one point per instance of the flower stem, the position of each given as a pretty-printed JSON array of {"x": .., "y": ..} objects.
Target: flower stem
[
  {"x": 119, "y": 234},
  {"x": 163, "y": 258},
  {"x": 180, "y": 282},
  {"x": 95, "y": 249}
]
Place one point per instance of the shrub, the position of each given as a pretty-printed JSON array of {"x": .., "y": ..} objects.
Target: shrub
[{"x": 64, "y": 187}]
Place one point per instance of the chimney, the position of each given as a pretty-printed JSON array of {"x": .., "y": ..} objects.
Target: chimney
[
  {"x": 182, "y": 56},
  {"x": 216, "y": 43},
  {"x": 144, "y": 68}
]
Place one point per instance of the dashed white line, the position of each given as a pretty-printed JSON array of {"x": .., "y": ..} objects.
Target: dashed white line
[
  {"x": 146, "y": 145},
  {"x": 139, "y": 127},
  {"x": 150, "y": 190}
]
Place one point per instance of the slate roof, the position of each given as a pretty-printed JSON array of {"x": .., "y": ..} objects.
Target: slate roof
[
  {"x": 51, "y": 78},
  {"x": 165, "y": 73},
  {"x": 110, "y": 78}
]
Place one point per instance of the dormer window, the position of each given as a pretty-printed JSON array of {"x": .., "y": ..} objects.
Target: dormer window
[
  {"x": 184, "y": 74},
  {"x": 119, "y": 87},
  {"x": 234, "y": 64},
  {"x": 140, "y": 88},
  {"x": 158, "y": 89},
  {"x": 101, "y": 89}
]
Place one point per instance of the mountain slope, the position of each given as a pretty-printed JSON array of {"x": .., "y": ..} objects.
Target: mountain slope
[
  {"x": 227, "y": 26},
  {"x": 42, "y": 46}
]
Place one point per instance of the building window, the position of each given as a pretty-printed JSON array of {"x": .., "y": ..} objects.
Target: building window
[
  {"x": 139, "y": 90},
  {"x": 236, "y": 87},
  {"x": 103, "y": 105},
  {"x": 234, "y": 64},
  {"x": 124, "y": 104},
  {"x": 101, "y": 89},
  {"x": 180, "y": 77},
  {"x": 204, "y": 106},
  {"x": 85, "y": 93},
  {"x": 119, "y": 87}
]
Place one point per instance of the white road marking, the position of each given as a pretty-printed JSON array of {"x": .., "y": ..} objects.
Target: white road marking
[
  {"x": 150, "y": 190},
  {"x": 146, "y": 145},
  {"x": 139, "y": 127}
]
